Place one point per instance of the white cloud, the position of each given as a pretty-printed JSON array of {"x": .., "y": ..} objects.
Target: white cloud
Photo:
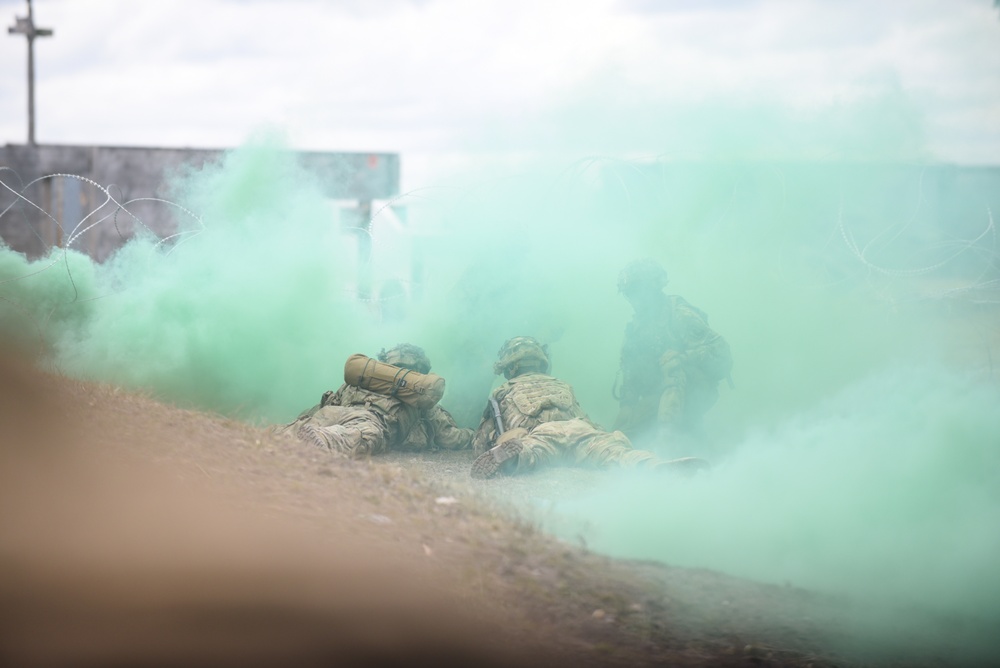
[{"x": 438, "y": 77}]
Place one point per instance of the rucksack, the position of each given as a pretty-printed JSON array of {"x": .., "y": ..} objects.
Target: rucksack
[{"x": 420, "y": 390}]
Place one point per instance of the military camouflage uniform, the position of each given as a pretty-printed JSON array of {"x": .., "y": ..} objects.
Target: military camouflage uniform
[
  {"x": 548, "y": 423},
  {"x": 671, "y": 362},
  {"x": 358, "y": 422}
]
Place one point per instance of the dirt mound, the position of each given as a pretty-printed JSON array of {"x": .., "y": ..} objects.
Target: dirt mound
[{"x": 136, "y": 532}]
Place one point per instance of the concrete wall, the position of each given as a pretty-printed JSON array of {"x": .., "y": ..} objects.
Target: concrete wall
[{"x": 65, "y": 185}]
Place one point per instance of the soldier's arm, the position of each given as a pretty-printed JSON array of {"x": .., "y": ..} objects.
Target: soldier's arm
[
  {"x": 703, "y": 347},
  {"x": 329, "y": 398},
  {"x": 486, "y": 433},
  {"x": 445, "y": 431},
  {"x": 627, "y": 391}
]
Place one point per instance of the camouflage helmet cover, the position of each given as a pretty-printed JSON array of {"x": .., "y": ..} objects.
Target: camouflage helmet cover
[
  {"x": 646, "y": 271},
  {"x": 408, "y": 356},
  {"x": 518, "y": 351}
]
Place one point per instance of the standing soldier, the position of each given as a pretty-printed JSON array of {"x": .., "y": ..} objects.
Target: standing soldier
[
  {"x": 378, "y": 409},
  {"x": 671, "y": 360},
  {"x": 534, "y": 420}
]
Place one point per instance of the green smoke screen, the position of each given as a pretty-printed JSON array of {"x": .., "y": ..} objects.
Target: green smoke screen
[
  {"x": 856, "y": 451},
  {"x": 234, "y": 315},
  {"x": 887, "y": 491}
]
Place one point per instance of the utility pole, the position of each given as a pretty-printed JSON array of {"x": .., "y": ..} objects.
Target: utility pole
[{"x": 26, "y": 26}]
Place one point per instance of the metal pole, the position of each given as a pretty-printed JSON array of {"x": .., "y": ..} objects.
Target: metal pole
[
  {"x": 31, "y": 77},
  {"x": 26, "y": 26}
]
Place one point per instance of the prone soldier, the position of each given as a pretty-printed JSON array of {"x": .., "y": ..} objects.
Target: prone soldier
[
  {"x": 534, "y": 420},
  {"x": 384, "y": 404}
]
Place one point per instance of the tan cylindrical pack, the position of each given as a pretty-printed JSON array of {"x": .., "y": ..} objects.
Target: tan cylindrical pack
[{"x": 421, "y": 390}]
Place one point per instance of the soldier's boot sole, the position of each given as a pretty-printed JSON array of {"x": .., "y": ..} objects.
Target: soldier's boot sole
[
  {"x": 312, "y": 434},
  {"x": 492, "y": 462}
]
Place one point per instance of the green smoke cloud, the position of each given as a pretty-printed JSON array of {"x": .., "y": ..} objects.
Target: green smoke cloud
[
  {"x": 857, "y": 451},
  {"x": 886, "y": 491},
  {"x": 247, "y": 314}
]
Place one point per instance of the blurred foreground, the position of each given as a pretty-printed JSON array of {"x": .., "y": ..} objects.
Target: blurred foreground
[
  {"x": 115, "y": 551},
  {"x": 133, "y": 532}
]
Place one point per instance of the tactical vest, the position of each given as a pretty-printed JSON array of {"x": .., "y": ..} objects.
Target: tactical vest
[
  {"x": 531, "y": 399},
  {"x": 646, "y": 340}
]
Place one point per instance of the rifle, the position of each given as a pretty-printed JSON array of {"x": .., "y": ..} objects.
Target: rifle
[{"x": 496, "y": 417}]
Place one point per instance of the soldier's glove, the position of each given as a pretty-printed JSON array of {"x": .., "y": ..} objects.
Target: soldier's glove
[{"x": 501, "y": 458}]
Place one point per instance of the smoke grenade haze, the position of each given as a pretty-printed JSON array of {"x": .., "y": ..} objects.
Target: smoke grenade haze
[{"x": 858, "y": 450}]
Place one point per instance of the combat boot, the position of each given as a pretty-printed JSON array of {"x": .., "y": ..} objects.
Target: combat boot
[
  {"x": 501, "y": 458},
  {"x": 312, "y": 434}
]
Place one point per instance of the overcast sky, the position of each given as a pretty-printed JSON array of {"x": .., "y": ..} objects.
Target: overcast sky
[{"x": 445, "y": 81}]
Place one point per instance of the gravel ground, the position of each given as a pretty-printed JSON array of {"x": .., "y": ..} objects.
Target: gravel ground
[{"x": 451, "y": 469}]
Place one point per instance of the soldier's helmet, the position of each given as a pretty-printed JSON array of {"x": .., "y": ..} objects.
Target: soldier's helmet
[
  {"x": 521, "y": 352},
  {"x": 646, "y": 272},
  {"x": 408, "y": 356}
]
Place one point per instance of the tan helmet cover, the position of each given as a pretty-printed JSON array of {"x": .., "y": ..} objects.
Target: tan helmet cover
[
  {"x": 645, "y": 271},
  {"x": 519, "y": 351},
  {"x": 408, "y": 356}
]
